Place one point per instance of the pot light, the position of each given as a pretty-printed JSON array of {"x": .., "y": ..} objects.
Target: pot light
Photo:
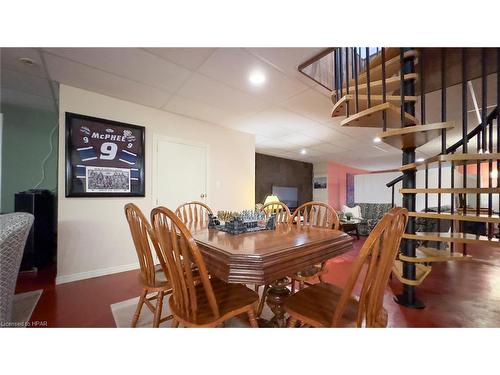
[
  {"x": 377, "y": 140},
  {"x": 257, "y": 78},
  {"x": 303, "y": 151}
]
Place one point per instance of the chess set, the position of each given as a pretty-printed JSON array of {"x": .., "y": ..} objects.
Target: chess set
[{"x": 243, "y": 222}]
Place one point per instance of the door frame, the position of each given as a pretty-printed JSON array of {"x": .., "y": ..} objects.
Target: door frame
[{"x": 160, "y": 137}]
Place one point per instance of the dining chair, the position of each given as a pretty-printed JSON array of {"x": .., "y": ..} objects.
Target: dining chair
[
  {"x": 282, "y": 216},
  {"x": 315, "y": 214},
  {"x": 193, "y": 212},
  {"x": 206, "y": 304},
  {"x": 279, "y": 209},
  {"x": 151, "y": 277},
  {"x": 327, "y": 305}
]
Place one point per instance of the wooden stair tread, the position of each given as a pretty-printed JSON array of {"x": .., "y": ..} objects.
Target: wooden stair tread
[
  {"x": 430, "y": 255},
  {"x": 392, "y": 67},
  {"x": 451, "y": 191},
  {"x": 421, "y": 272},
  {"x": 414, "y": 136},
  {"x": 339, "y": 107},
  {"x": 457, "y": 159},
  {"x": 452, "y": 237},
  {"x": 392, "y": 85},
  {"x": 482, "y": 218},
  {"x": 373, "y": 117}
]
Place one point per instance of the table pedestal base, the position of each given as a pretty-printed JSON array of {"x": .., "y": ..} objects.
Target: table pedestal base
[{"x": 276, "y": 295}]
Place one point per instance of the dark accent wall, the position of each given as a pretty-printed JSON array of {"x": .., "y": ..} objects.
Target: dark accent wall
[{"x": 271, "y": 170}]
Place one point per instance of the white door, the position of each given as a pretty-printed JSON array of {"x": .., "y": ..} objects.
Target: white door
[{"x": 181, "y": 173}]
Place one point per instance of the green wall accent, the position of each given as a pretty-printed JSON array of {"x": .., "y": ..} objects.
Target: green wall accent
[{"x": 25, "y": 143}]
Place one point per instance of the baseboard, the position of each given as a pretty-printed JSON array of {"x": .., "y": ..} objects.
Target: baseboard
[{"x": 95, "y": 273}]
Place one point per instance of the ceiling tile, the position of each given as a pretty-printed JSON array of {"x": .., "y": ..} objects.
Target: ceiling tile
[
  {"x": 299, "y": 139},
  {"x": 260, "y": 139},
  {"x": 84, "y": 77},
  {"x": 286, "y": 59},
  {"x": 233, "y": 66},
  {"x": 131, "y": 63},
  {"x": 311, "y": 104},
  {"x": 190, "y": 58},
  {"x": 9, "y": 58},
  {"x": 329, "y": 148},
  {"x": 214, "y": 93},
  {"x": 199, "y": 110}
]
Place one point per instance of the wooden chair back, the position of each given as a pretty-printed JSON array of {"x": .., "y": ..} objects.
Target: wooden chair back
[
  {"x": 193, "y": 212},
  {"x": 378, "y": 252},
  {"x": 316, "y": 214},
  {"x": 181, "y": 252},
  {"x": 280, "y": 209},
  {"x": 143, "y": 237}
]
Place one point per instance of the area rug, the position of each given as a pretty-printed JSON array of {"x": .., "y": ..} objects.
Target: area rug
[
  {"x": 23, "y": 306},
  {"x": 124, "y": 311}
]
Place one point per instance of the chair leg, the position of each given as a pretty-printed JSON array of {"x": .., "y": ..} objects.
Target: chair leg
[
  {"x": 175, "y": 323},
  {"x": 292, "y": 322},
  {"x": 251, "y": 318},
  {"x": 137, "y": 313},
  {"x": 293, "y": 285},
  {"x": 301, "y": 284},
  {"x": 322, "y": 272},
  {"x": 262, "y": 300},
  {"x": 159, "y": 306}
]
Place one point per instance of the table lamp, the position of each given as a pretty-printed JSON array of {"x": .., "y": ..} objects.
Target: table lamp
[{"x": 271, "y": 198}]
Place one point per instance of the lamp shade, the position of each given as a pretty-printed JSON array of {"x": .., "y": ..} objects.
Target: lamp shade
[{"x": 271, "y": 198}]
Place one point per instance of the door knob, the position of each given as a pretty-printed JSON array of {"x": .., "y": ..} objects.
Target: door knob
[{"x": 203, "y": 195}]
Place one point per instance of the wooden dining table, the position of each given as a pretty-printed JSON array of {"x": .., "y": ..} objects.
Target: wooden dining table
[{"x": 268, "y": 257}]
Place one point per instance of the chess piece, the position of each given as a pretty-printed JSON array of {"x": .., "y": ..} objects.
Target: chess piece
[
  {"x": 271, "y": 222},
  {"x": 211, "y": 221}
]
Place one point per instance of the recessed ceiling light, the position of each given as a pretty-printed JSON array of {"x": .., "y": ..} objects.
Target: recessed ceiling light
[
  {"x": 303, "y": 151},
  {"x": 376, "y": 140},
  {"x": 257, "y": 78},
  {"x": 27, "y": 61},
  {"x": 420, "y": 160}
]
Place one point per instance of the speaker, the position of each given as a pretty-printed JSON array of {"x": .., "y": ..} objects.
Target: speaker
[{"x": 40, "y": 249}]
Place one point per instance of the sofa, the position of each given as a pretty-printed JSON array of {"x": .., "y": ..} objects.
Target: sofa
[{"x": 371, "y": 213}]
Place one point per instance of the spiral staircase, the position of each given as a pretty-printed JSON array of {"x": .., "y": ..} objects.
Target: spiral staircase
[{"x": 383, "y": 90}]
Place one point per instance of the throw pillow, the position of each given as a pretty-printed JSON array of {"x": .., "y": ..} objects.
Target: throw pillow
[{"x": 355, "y": 211}]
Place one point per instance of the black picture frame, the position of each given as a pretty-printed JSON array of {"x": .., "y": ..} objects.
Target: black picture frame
[{"x": 70, "y": 191}]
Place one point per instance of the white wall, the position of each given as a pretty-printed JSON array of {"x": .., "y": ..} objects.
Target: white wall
[
  {"x": 371, "y": 188},
  {"x": 93, "y": 235},
  {"x": 320, "y": 170}
]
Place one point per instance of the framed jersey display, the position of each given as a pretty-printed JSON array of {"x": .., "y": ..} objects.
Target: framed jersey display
[{"x": 104, "y": 158}]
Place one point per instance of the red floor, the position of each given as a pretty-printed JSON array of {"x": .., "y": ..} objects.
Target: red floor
[{"x": 456, "y": 294}]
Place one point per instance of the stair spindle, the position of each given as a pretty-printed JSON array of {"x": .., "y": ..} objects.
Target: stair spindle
[
  {"x": 347, "y": 80},
  {"x": 498, "y": 122},
  {"x": 384, "y": 115},
  {"x": 465, "y": 138},
  {"x": 368, "y": 88},
  {"x": 422, "y": 90},
  {"x": 484, "y": 97},
  {"x": 452, "y": 246},
  {"x": 402, "y": 81},
  {"x": 355, "y": 61},
  {"x": 341, "y": 70}
]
